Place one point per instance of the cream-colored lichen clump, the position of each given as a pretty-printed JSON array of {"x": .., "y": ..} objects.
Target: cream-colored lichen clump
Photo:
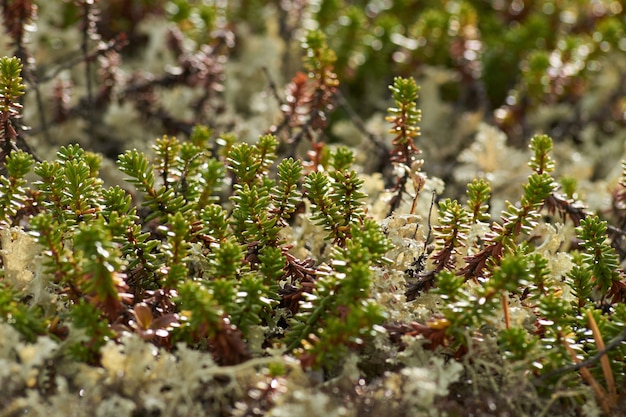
[{"x": 22, "y": 259}]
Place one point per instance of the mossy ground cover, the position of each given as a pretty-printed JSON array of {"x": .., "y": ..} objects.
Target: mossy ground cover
[{"x": 306, "y": 208}]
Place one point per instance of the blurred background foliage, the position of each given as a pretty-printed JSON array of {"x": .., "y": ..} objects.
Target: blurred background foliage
[
  {"x": 550, "y": 66},
  {"x": 507, "y": 57}
]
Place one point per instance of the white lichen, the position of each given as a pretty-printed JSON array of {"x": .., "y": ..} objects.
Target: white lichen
[
  {"x": 503, "y": 166},
  {"x": 18, "y": 251},
  {"x": 420, "y": 386},
  {"x": 308, "y": 402},
  {"x": 23, "y": 266}
]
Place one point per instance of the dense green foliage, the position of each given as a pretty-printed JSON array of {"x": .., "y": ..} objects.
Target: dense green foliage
[{"x": 270, "y": 251}]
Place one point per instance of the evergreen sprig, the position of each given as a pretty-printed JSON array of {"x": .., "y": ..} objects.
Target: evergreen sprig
[
  {"x": 340, "y": 314},
  {"x": 119, "y": 212},
  {"x": 13, "y": 195},
  {"x": 310, "y": 97},
  {"x": 541, "y": 161},
  {"x": 225, "y": 260},
  {"x": 82, "y": 187},
  {"x": 70, "y": 187},
  {"x": 250, "y": 163},
  {"x": 260, "y": 209},
  {"x": 50, "y": 234},
  {"x": 319, "y": 61},
  {"x": 478, "y": 196},
  {"x": 141, "y": 172},
  {"x": 450, "y": 234},
  {"x": 100, "y": 275},
  {"x": 580, "y": 279},
  {"x": 215, "y": 224},
  {"x": 336, "y": 196},
  {"x": 250, "y": 302},
  {"x": 210, "y": 180},
  {"x": 183, "y": 177},
  {"x": 404, "y": 118},
  {"x": 167, "y": 161},
  {"x": 140, "y": 251},
  {"x": 11, "y": 90},
  {"x": 326, "y": 214},
  {"x": 600, "y": 257},
  {"x": 515, "y": 221},
  {"x": 176, "y": 249},
  {"x": 540, "y": 275},
  {"x": 252, "y": 220},
  {"x": 272, "y": 265},
  {"x": 287, "y": 196}
]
